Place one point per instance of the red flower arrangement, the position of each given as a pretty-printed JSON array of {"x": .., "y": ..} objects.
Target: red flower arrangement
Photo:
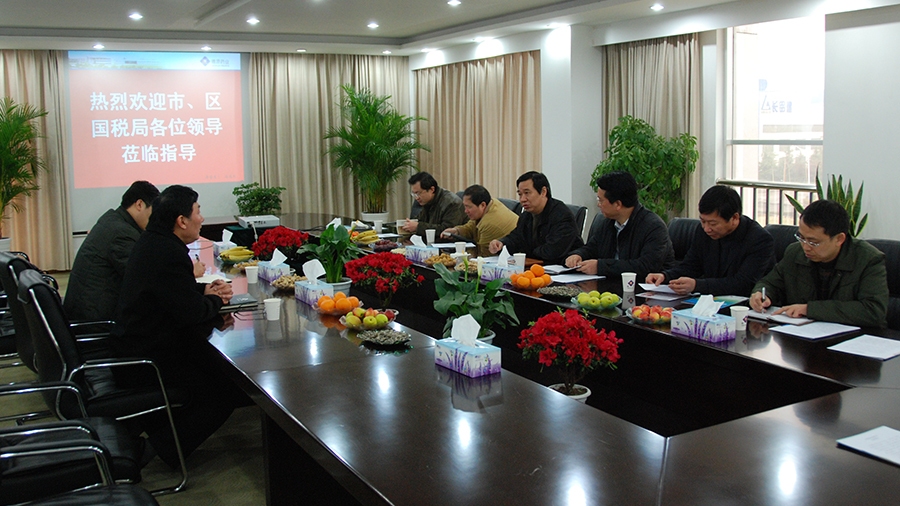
[
  {"x": 282, "y": 238},
  {"x": 387, "y": 271},
  {"x": 570, "y": 341}
]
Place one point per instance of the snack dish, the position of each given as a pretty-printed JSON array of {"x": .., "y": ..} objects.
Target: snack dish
[
  {"x": 368, "y": 319},
  {"x": 384, "y": 337},
  {"x": 287, "y": 282},
  {"x": 243, "y": 265},
  {"x": 559, "y": 292},
  {"x": 650, "y": 315},
  {"x": 443, "y": 258},
  {"x": 473, "y": 267},
  {"x": 383, "y": 245}
]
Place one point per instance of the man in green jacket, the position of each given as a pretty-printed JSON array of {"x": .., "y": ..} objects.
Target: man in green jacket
[
  {"x": 828, "y": 275},
  {"x": 441, "y": 208}
]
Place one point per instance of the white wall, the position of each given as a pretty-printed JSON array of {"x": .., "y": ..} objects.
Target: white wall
[{"x": 862, "y": 110}]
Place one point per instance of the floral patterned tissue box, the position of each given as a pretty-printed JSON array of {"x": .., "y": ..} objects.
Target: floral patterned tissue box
[
  {"x": 310, "y": 292},
  {"x": 472, "y": 361},
  {"x": 715, "y": 328}
]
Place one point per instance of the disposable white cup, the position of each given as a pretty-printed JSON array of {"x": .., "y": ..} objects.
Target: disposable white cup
[
  {"x": 273, "y": 309},
  {"x": 429, "y": 236},
  {"x": 520, "y": 259},
  {"x": 252, "y": 272},
  {"x": 740, "y": 314},
  {"x": 460, "y": 247},
  {"x": 400, "y": 225},
  {"x": 628, "y": 281},
  {"x": 377, "y": 226}
]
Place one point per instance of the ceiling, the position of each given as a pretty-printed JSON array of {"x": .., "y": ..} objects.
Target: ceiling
[{"x": 334, "y": 26}]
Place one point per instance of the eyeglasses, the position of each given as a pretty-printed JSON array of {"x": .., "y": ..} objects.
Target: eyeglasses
[
  {"x": 801, "y": 240},
  {"x": 415, "y": 195}
]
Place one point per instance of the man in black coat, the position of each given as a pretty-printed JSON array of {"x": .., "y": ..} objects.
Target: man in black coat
[
  {"x": 166, "y": 316},
  {"x": 732, "y": 254},
  {"x": 546, "y": 228},
  {"x": 631, "y": 239}
]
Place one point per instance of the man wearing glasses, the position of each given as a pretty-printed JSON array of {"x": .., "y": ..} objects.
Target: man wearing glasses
[
  {"x": 441, "y": 208},
  {"x": 828, "y": 275},
  {"x": 730, "y": 251}
]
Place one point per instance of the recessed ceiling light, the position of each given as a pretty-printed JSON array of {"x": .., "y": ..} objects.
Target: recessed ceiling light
[
  {"x": 301, "y": 50},
  {"x": 252, "y": 20},
  {"x": 657, "y": 7},
  {"x": 373, "y": 25},
  {"x": 99, "y": 46},
  {"x": 206, "y": 48},
  {"x": 135, "y": 16},
  {"x": 427, "y": 49},
  {"x": 386, "y": 51},
  {"x": 454, "y": 3}
]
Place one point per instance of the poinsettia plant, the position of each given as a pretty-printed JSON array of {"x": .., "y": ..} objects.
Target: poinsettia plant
[
  {"x": 387, "y": 271},
  {"x": 281, "y": 238},
  {"x": 569, "y": 341}
]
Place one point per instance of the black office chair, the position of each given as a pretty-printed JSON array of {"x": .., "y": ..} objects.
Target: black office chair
[
  {"x": 783, "y": 236},
  {"x": 891, "y": 250},
  {"x": 99, "y": 489},
  {"x": 513, "y": 205},
  {"x": 27, "y": 478},
  {"x": 597, "y": 224},
  {"x": 681, "y": 232},
  {"x": 57, "y": 358},
  {"x": 580, "y": 213}
]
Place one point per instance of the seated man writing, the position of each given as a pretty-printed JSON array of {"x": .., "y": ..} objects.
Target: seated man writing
[
  {"x": 166, "y": 316},
  {"x": 489, "y": 219},
  {"x": 828, "y": 275},
  {"x": 631, "y": 239},
  {"x": 731, "y": 254},
  {"x": 441, "y": 208},
  {"x": 545, "y": 229}
]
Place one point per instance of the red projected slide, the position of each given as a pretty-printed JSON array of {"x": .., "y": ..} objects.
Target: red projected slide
[{"x": 178, "y": 126}]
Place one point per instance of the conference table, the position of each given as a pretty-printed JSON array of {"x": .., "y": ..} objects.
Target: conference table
[{"x": 750, "y": 421}]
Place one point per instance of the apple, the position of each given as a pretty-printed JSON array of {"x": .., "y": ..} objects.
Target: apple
[
  {"x": 583, "y": 298},
  {"x": 594, "y": 293},
  {"x": 370, "y": 322},
  {"x": 656, "y": 308},
  {"x": 353, "y": 321},
  {"x": 371, "y": 312},
  {"x": 654, "y": 316},
  {"x": 637, "y": 312},
  {"x": 382, "y": 320},
  {"x": 389, "y": 314},
  {"x": 594, "y": 301},
  {"x": 359, "y": 312}
]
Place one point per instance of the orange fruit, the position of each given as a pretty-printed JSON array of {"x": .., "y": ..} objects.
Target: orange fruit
[
  {"x": 327, "y": 305},
  {"x": 513, "y": 278},
  {"x": 537, "y": 282},
  {"x": 529, "y": 275},
  {"x": 323, "y": 299},
  {"x": 343, "y": 305},
  {"x": 354, "y": 301},
  {"x": 523, "y": 282},
  {"x": 537, "y": 269},
  {"x": 339, "y": 296},
  {"x": 547, "y": 280}
]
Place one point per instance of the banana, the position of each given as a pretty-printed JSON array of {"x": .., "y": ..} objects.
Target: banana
[
  {"x": 236, "y": 254},
  {"x": 367, "y": 233}
]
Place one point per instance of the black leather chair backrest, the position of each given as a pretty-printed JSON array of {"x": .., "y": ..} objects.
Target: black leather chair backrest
[
  {"x": 891, "y": 250},
  {"x": 511, "y": 204},
  {"x": 783, "y": 236},
  {"x": 681, "y": 232},
  {"x": 11, "y": 266},
  {"x": 597, "y": 223},
  {"x": 580, "y": 213},
  {"x": 460, "y": 194},
  {"x": 415, "y": 210}
]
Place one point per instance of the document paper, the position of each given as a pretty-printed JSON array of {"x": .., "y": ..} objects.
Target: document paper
[
  {"x": 815, "y": 330},
  {"x": 869, "y": 346},
  {"x": 881, "y": 442}
]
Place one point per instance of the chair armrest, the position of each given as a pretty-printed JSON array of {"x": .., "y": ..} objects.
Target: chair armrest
[
  {"x": 91, "y": 330},
  {"x": 79, "y": 427},
  {"x": 16, "y": 389},
  {"x": 63, "y": 448}
]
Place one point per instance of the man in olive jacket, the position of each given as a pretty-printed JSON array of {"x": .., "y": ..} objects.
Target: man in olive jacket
[
  {"x": 631, "y": 239},
  {"x": 828, "y": 275},
  {"x": 441, "y": 208}
]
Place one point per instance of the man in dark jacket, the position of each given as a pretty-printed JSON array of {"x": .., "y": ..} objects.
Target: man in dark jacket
[
  {"x": 166, "y": 316},
  {"x": 828, "y": 275},
  {"x": 441, "y": 208},
  {"x": 96, "y": 277},
  {"x": 732, "y": 254},
  {"x": 546, "y": 228},
  {"x": 631, "y": 239}
]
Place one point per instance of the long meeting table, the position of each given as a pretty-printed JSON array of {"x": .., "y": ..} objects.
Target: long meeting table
[{"x": 751, "y": 421}]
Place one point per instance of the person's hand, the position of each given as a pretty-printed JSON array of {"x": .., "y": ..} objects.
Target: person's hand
[
  {"x": 655, "y": 277},
  {"x": 219, "y": 288},
  {"x": 794, "y": 310},
  {"x": 227, "y": 321},
  {"x": 573, "y": 261},
  {"x": 588, "y": 267},
  {"x": 758, "y": 304},
  {"x": 495, "y": 246},
  {"x": 411, "y": 226},
  {"x": 683, "y": 285},
  {"x": 448, "y": 231},
  {"x": 199, "y": 268}
]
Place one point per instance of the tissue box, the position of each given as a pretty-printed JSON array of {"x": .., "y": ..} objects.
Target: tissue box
[
  {"x": 473, "y": 361},
  {"x": 219, "y": 247},
  {"x": 310, "y": 292},
  {"x": 270, "y": 272},
  {"x": 418, "y": 254},
  {"x": 492, "y": 271},
  {"x": 715, "y": 328}
]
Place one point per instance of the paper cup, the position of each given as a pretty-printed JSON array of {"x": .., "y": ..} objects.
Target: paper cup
[
  {"x": 460, "y": 247},
  {"x": 400, "y": 224},
  {"x": 520, "y": 259},
  {"x": 429, "y": 236},
  {"x": 628, "y": 281},
  {"x": 252, "y": 272},
  {"x": 740, "y": 314},
  {"x": 273, "y": 309}
]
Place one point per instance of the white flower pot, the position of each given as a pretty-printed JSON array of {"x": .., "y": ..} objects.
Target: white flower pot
[
  {"x": 371, "y": 217},
  {"x": 582, "y": 398}
]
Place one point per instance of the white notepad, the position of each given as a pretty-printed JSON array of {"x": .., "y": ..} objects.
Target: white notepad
[
  {"x": 815, "y": 330},
  {"x": 869, "y": 346},
  {"x": 881, "y": 442}
]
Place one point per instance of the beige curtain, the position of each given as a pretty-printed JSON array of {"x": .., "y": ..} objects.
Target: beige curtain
[
  {"x": 484, "y": 121},
  {"x": 43, "y": 229},
  {"x": 294, "y": 100},
  {"x": 658, "y": 80}
]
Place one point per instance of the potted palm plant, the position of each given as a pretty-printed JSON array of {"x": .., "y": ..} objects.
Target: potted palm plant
[
  {"x": 376, "y": 145},
  {"x": 19, "y": 160}
]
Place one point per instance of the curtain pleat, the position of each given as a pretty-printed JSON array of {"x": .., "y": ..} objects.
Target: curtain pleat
[
  {"x": 42, "y": 229},
  {"x": 295, "y": 99},
  {"x": 484, "y": 121},
  {"x": 658, "y": 80}
]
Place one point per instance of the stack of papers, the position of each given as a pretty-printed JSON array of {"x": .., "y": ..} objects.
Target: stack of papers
[
  {"x": 661, "y": 292},
  {"x": 558, "y": 269},
  {"x": 815, "y": 330},
  {"x": 726, "y": 300},
  {"x": 869, "y": 346},
  {"x": 573, "y": 278},
  {"x": 777, "y": 318},
  {"x": 881, "y": 442}
]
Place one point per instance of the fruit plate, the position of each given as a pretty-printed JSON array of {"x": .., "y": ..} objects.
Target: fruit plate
[
  {"x": 385, "y": 337},
  {"x": 600, "y": 306},
  {"x": 335, "y": 311},
  {"x": 391, "y": 315},
  {"x": 662, "y": 319}
]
